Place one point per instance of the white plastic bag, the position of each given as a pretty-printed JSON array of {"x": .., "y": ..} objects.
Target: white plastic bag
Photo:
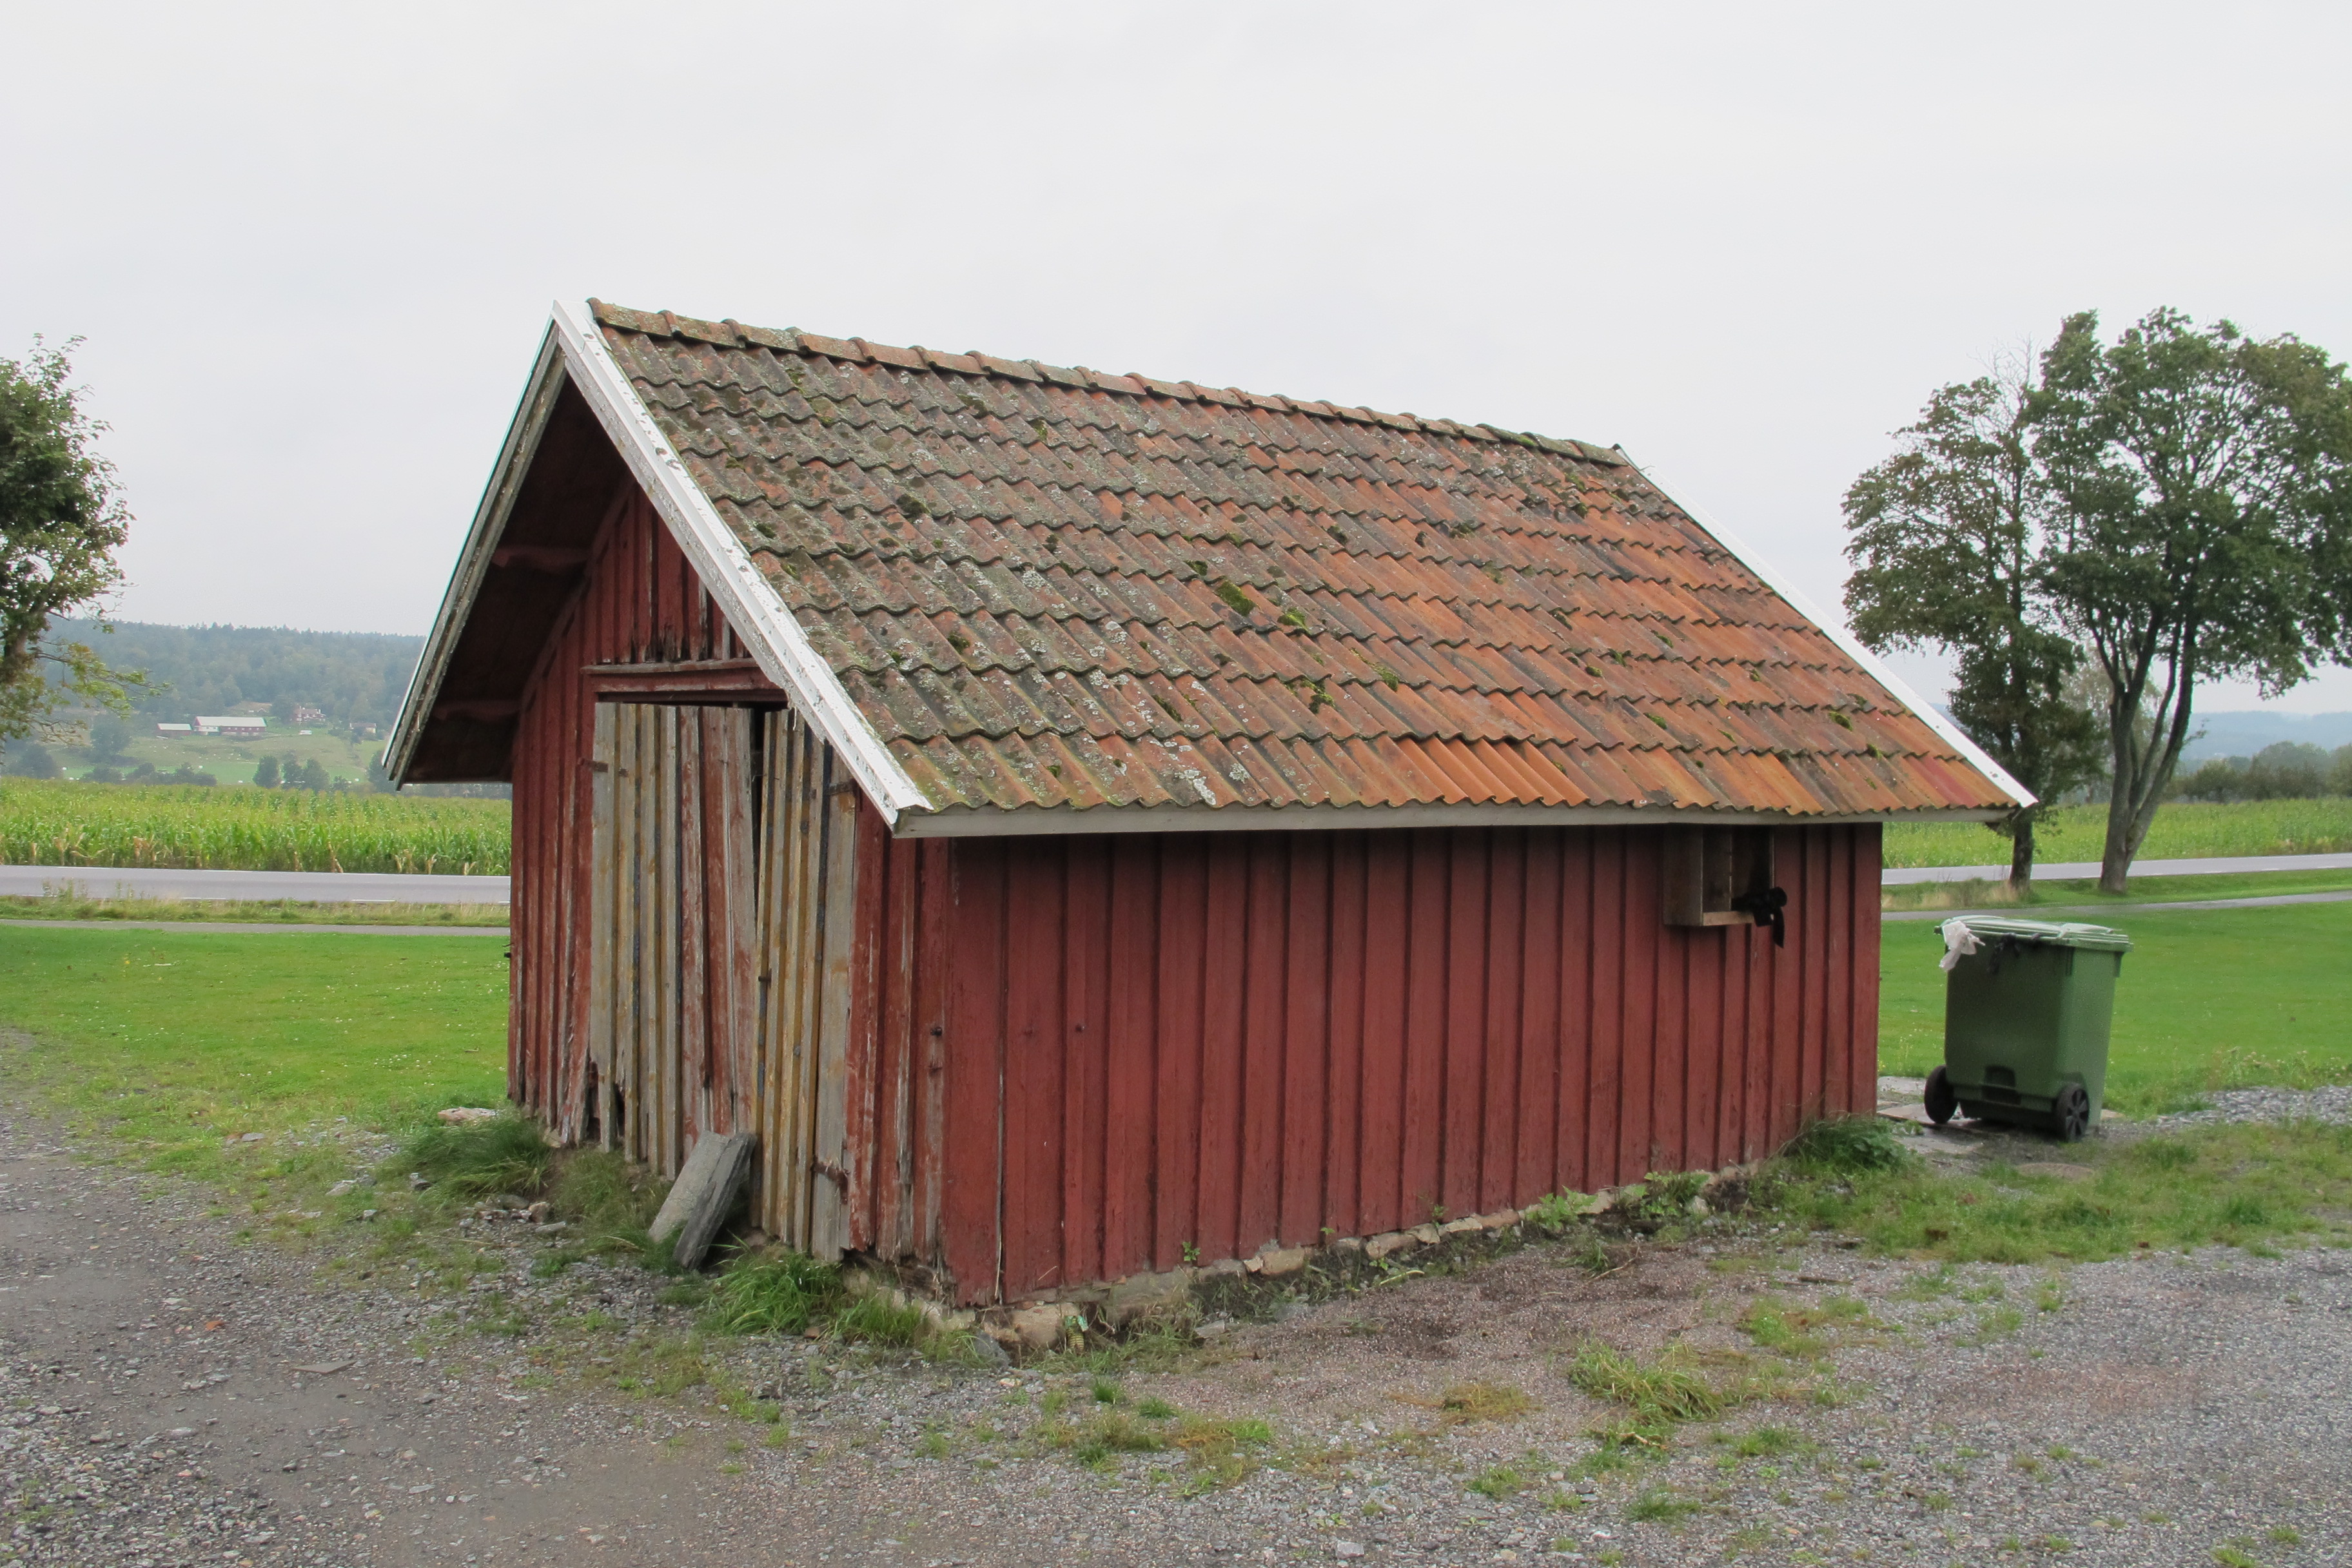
[{"x": 1958, "y": 943}]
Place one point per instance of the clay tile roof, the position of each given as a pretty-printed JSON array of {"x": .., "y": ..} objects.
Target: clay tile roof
[{"x": 1051, "y": 587}]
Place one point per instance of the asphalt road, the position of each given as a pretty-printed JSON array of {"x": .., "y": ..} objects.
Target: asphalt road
[{"x": 305, "y": 887}]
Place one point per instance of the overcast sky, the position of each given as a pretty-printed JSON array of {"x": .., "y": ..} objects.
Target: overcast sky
[{"x": 311, "y": 248}]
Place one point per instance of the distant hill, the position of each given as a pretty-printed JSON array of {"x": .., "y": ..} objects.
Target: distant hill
[
  {"x": 353, "y": 677},
  {"x": 2248, "y": 731}
]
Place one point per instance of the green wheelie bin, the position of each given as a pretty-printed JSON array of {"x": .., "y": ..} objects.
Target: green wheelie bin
[{"x": 2026, "y": 1011}]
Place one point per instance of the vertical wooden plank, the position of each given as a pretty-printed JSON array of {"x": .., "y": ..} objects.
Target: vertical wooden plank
[
  {"x": 1639, "y": 891},
  {"x": 1034, "y": 1116},
  {"x": 1343, "y": 1119},
  {"x": 1224, "y": 973},
  {"x": 1837, "y": 995},
  {"x": 1421, "y": 1186},
  {"x": 1305, "y": 982},
  {"x": 974, "y": 1166},
  {"x": 1132, "y": 1066},
  {"x": 886, "y": 968},
  {"x": 828, "y": 1217},
  {"x": 1263, "y": 966},
  {"x": 1085, "y": 934},
  {"x": 1183, "y": 957},
  {"x": 1573, "y": 1137},
  {"x": 1703, "y": 1061},
  {"x": 1387, "y": 880},
  {"x": 930, "y": 918},
  {"x": 1540, "y": 1038},
  {"x": 1788, "y": 982},
  {"x": 1603, "y": 1121},
  {"x": 1463, "y": 1073},
  {"x": 1863, "y": 948},
  {"x": 1503, "y": 973},
  {"x": 694, "y": 1073},
  {"x": 603, "y": 938},
  {"x": 876, "y": 1087},
  {"x": 1670, "y": 1035},
  {"x": 743, "y": 883},
  {"x": 1811, "y": 940}
]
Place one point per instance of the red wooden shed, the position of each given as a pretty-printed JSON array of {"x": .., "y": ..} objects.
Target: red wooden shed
[{"x": 1083, "y": 822}]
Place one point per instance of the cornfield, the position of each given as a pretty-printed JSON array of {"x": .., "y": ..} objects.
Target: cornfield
[
  {"x": 2183, "y": 830},
  {"x": 48, "y": 823}
]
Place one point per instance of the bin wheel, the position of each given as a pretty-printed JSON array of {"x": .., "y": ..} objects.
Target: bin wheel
[
  {"x": 1941, "y": 1102},
  {"x": 2073, "y": 1112}
]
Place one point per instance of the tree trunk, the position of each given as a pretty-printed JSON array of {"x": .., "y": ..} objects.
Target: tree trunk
[
  {"x": 2021, "y": 856},
  {"x": 2115, "y": 856}
]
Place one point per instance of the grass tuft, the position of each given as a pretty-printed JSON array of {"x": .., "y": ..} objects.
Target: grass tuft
[
  {"x": 1664, "y": 1390},
  {"x": 1845, "y": 1144},
  {"x": 507, "y": 1153},
  {"x": 782, "y": 1295}
]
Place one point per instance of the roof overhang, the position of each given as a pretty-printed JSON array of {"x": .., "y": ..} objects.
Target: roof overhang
[
  {"x": 573, "y": 355},
  {"x": 965, "y": 822}
]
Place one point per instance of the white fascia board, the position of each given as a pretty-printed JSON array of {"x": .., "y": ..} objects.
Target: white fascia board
[
  {"x": 750, "y": 602},
  {"x": 987, "y": 821},
  {"x": 1846, "y": 641},
  {"x": 522, "y": 445}
]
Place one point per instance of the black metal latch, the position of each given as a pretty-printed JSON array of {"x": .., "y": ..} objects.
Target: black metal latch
[{"x": 1766, "y": 908}]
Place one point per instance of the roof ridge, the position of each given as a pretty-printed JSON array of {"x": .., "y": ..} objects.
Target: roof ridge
[{"x": 733, "y": 334}]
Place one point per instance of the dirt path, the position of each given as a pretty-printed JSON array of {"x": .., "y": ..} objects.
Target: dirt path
[{"x": 155, "y": 1409}]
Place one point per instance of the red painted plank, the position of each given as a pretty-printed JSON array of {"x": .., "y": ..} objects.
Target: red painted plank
[
  {"x": 1421, "y": 1186},
  {"x": 1306, "y": 986},
  {"x": 928, "y": 923},
  {"x": 1573, "y": 1128},
  {"x": 1863, "y": 956},
  {"x": 1605, "y": 1114},
  {"x": 1085, "y": 1037},
  {"x": 1223, "y": 973},
  {"x": 1265, "y": 968},
  {"x": 1465, "y": 1077},
  {"x": 973, "y": 1163},
  {"x": 1343, "y": 1113},
  {"x": 1035, "y": 1113},
  {"x": 1388, "y": 882},
  {"x": 1132, "y": 1057},
  {"x": 1537, "y": 1139},
  {"x": 1505, "y": 979},
  {"x": 1181, "y": 927}
]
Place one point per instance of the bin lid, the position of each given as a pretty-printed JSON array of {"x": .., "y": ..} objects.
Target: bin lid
[{"x": 2057, "y": 933}]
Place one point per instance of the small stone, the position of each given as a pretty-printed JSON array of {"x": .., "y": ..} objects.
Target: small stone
[
  {"x": 1255, "y": 1265},
  {"x": 537, "y": 1213},
  {"x": 1039, "y": 1327},
  {"x": 1456, "y": 1227},
  {"x": 457, "y": 1115},
  {"x": 1347, "y": 1549},
  {"x": 1381, "y": 1245},
  {"x": 1281, "y": 1260},
  {"x": 989, "y": 1352},
  {"x": 1426, "y": 1235},
  {"x": 1501, "y": 1219}
]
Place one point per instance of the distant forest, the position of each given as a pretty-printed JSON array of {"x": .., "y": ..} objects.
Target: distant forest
[{"x": 353, "y": 677}]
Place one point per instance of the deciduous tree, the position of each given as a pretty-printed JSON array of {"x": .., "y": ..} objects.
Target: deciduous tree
[
  {"x": 1949, "y": 541},
  {"x": 62, "y": 520},
  {"x": 2203, "y": 530}
]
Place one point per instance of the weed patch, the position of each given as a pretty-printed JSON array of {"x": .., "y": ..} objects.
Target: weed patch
[
  {"x": 2240, "y": 1185},
  {"x": 1662, "y": 1391},
  {"x": 783, "y": 1295}
]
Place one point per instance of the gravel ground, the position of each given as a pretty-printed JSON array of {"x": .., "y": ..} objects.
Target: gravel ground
[{"x": 161, "y": 1402}]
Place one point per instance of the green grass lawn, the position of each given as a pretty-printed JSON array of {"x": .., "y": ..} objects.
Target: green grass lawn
[
  {"x": 2218, "y": 999},
  {"x": 169, "y": 1043},
  {"x": 2182, "y": 830}
]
